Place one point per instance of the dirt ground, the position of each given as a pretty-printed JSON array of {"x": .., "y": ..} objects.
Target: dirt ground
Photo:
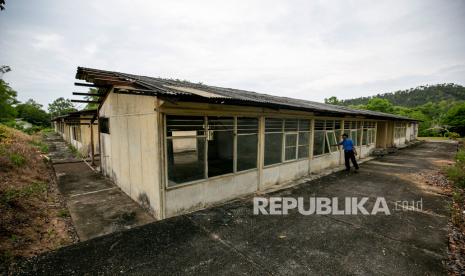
[
  {"x": 34, "y": 218},
  {"x": 231, "y": 240}
]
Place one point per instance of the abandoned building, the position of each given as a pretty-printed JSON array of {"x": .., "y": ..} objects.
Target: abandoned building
[
  {"x": 79, "y": 129},
  {"x": 175, "y": 146}
]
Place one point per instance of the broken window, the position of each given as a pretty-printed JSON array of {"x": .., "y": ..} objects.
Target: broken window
[
  {"x": 220, "y": 138},
  {"x": 76, "y": 131},
  {"x": 273, "y": 140},
  {"x": 104, "y": 125},
  {"x": 247, "y": 143},
  {"x": 185, "y": 148}
]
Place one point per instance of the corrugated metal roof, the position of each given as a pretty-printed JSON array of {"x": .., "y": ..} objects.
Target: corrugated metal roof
[{"x": 180, "y": 89}]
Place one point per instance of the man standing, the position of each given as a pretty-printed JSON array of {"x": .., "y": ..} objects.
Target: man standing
[{"x": 349, "y": 152}]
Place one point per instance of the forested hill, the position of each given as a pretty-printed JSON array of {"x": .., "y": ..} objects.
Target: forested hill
[{"x": 417, "y": 96}]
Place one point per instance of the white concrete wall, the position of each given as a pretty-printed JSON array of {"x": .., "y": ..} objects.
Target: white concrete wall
[
  {"x": 200, "y": 195},
  {"x": 129, "y": 154}
]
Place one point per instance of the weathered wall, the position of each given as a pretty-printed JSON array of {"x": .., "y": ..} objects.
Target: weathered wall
[{"x": 129, "y": 153}]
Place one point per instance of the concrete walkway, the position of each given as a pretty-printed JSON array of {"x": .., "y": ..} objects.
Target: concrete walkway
[
  {"x": 230, "y": 240},
  {"x": 97, "y": 207}
]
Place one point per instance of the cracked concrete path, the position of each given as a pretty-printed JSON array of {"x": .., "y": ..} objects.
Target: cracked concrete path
[
  {"x": 230, "y": 240},
  {"x": 96, "y": 205}
]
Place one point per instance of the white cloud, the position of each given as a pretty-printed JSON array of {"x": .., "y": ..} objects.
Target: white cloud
[{"x": 300, "y": 49}]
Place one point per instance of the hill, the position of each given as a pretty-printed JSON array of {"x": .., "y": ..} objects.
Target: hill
[{"x": 416, "y": 96}]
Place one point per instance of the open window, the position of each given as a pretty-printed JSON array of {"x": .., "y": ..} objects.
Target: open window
[
  {"x": 247, "y": 143},
  {"x": 273, "y": 140}
]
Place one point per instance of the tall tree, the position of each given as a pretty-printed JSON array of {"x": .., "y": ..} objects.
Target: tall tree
[
  {"x": 455, "y": 118},
  {"x": 61, "y": 106},
  {"x": 332, "y": 100},
  {"x": 33, "y": 113},
  {"x": 92, "y": 98},
  {"x": 382, "y": 105},
  {"x": 7, "y": 102}
]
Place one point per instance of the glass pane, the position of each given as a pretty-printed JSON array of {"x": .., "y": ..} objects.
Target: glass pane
[
  {"x": 247, "y": 125},
  {"x": 353, "y": 137},
  {"x": 220, "y": 152},
  {"x": 332, "y": 141},
  {"x": 273, "y": 148},
  {"x": 304, "y": 138},
  {"x": 304, "y": 125},
  {"x": 184, "y": 123},
  {"x": 318, "y": 143},
  {"x": 290, "y": 125},
  {"x": 365, "y": 137},
  {"x": 326, "y": 144},
  {"x": 185, "y": 157},
  {"x": 291, "y": 140},
  {"x": 220, "y": 123},
  {"x": 291, "y": 153},
  {"x": 273, "y": 125},
  {"x": 247, "y": 149},
  {"x": 303, "y": 151}
]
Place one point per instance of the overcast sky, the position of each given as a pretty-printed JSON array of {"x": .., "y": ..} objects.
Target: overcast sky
[{"x": 303, "y": 49}]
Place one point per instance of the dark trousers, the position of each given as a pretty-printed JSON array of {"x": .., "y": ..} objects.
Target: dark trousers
[{"x": 349, "y": 155}]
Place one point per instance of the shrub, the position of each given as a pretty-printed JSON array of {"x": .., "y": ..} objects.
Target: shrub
[
  {"x": 457, "y": 175},
  {"x": 452, "y": 135}
]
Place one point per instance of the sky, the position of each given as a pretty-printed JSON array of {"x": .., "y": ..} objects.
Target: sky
[{"x": 302, "y": 49}]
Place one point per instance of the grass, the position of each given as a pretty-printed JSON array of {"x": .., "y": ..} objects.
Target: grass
[
  {"x": 40, "y": 145},
  {"x": 11, "y": 195},
  {"x": 63, "y": 213},
  {"x": 17, "y": 159}
]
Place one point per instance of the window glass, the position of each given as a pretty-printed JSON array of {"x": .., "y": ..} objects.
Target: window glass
[
  {"x": 318, "y": 142},
  {"x": 304, "y": 140},
  {"x": 332, "y": 141},
  {"x": 273, "y": 148},
  {"x": 220, "y": 138},
  {"x": 273, "y": 141},
  {"x": 247, "y": 143},
  {"x": 291, "y": 146}
]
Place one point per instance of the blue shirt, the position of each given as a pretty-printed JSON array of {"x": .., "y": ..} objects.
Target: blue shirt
[{"x": 347, "y": 144}]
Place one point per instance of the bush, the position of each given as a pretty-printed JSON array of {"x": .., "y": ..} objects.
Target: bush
[
  {"x": 456, "y": 173},
  {"x": 452, "y": 135}
]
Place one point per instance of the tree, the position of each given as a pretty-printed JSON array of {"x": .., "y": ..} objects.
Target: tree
[
  {"x": 332, "y": 100},
  {"x": 61, "y": 106},
  {"x": 92, "y": 98},
  {"x": 7, "y": 102},
  {"x": 381, "y": 105},
  {"x": 2, "y": 4},
  {"x": 33, "y": 113},
  {"x": 455, "y": 118}
]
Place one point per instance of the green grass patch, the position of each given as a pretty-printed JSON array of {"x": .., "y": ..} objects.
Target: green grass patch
[
  {"x": 63, "y": 213},
  {"x": 17, "y": 159},
  {"x": 40, "y": 145},
  {"x": 11, "y": 195}
]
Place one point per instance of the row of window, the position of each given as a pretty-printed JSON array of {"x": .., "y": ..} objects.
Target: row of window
[{"x": 199, "y": 147}]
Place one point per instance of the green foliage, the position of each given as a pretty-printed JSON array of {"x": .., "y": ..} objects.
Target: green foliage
[
  {"x": 61, "y": 106},
  {"x": 92, "y": 98},
  {"x": 381, "y": 105},
  {"x": 17, "y": 159},
  {"x": 40, "y": 145},
  {"x": 332, "y": 100},
  {"x": 417, "y": 96},
  {"x": 7, "y": 102},
  {"x": 455, "y": 118},
  {"x": 452, "y": 135},
  {"x": 32, "y": 112},
  {"x": 456, "y": 173}
]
